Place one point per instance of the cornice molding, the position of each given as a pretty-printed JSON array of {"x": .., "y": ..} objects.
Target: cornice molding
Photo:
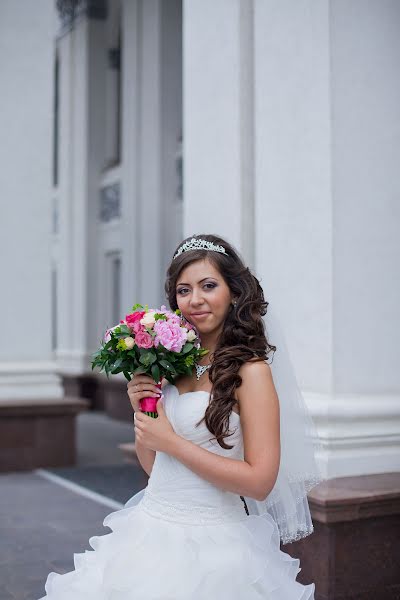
[{"x": 69, "y": 11}]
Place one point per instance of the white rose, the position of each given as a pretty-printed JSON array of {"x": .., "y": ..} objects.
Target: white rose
[
  {"x": 129, "y": 342},
  {"x": 148, "y": 319},
  {"x": 191, "y": 336}
]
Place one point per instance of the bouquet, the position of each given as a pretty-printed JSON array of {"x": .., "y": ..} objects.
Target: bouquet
[{"x": 159, "y": 343}]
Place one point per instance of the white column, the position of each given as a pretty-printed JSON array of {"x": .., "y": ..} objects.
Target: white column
[
  {"x": 131, "y": 288},
  {"x": 152, "y": 113},
  {"x": 82, "y": 156},
  {"x": 218, "y": 120},
  {"x": 27, "y": 369},
  {"x": 327, "y": 153},
  {"x": 364, "y": 421}
]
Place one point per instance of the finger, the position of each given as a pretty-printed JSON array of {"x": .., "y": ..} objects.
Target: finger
[
  {"x": 146, "y": 379},
  {"x": 144, "y": 391},
  {"x": 141, "y": 417},
  {"x": 150, "y": 393}
]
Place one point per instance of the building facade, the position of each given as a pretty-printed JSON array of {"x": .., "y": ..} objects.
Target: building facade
[{"x": 135, "y": 123}]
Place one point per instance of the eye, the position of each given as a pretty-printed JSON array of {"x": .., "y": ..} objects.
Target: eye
[{"x": 211, "y": 287}]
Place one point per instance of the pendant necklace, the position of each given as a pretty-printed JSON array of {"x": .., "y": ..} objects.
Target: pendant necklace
[{"x": 200, "y": 369}]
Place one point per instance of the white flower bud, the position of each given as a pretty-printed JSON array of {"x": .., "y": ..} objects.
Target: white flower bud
[
  {"x": 129, "y": 342},
  {"x": 191, "y": 336}
]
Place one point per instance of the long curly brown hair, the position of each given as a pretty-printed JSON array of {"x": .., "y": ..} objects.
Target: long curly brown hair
[{"x": 243, "y": 336}]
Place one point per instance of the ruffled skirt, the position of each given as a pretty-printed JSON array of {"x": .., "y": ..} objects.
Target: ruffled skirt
[{"x": 146, "y": 557}]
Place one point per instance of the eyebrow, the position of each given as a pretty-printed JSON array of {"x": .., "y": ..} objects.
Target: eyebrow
[{"x": 181, "y": 282}]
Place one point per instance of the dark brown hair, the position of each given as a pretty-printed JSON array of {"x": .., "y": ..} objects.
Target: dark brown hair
[{"x": 243, "y": 337}]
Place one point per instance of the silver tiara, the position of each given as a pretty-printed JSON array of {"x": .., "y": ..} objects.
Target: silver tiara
[{"x": 199, "y": 244}]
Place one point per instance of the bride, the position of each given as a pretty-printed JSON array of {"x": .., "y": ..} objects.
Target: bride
[{"x": 229, "y": 458}]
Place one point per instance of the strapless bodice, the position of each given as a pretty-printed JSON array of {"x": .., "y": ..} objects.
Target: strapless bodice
[{"x": 176, "y": 492}]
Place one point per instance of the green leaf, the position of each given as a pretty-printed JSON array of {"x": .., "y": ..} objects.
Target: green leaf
[
  {"x": 160, "y": 317},
  {"x": 148, "y": 358},
  {"x": 189, "y": 360},
  {"x": 167, "y": 365},
  {"x": 125, "y": 329},
  {"x": 139, "y": 370},
  {"x": 187, "y": 348},
  {"x": 137, "y": 307},
  {"x": 155, "y": 372},
  {"x": 127, "y": 375}
]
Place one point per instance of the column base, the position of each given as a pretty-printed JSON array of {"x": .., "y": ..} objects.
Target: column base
[
  {"x": 353, "y": 552},
  {"x": 105, "y": 394},
  {"x": 38, "y": 433}
]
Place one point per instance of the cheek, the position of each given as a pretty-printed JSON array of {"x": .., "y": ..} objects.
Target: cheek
[
  {"x": 182, "y": 303},
  {"x": 222, "y": 302}
]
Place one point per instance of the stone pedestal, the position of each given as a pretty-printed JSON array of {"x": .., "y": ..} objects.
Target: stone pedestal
[
  {"x": 38, "y": 433},
  {"x": 101, "y": 393},
  {"x": 353, "y": 553},
  {"x": 86, "y": 386},
  {"x": 116, "y": 400}
]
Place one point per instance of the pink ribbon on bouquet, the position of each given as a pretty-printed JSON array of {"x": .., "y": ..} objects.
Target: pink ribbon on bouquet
[{"x": 149, "y": 405}]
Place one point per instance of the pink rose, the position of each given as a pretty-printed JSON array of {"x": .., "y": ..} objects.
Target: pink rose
[
  {"x": 143, "y": 340},
  {"x": 137, "y": 327},
  {"x": 131, "y": 319}
]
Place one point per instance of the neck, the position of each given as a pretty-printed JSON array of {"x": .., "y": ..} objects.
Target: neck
[{"x": 208, "y": 341}]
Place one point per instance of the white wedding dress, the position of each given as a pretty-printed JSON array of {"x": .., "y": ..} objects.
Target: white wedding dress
[{"x": 181, "y": 537}]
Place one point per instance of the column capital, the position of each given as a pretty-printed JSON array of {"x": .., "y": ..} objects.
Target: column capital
[{"x": 70, "y": 10}]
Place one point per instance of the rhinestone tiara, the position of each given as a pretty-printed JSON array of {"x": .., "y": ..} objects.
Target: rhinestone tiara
[{"x": 199, "y": 244}]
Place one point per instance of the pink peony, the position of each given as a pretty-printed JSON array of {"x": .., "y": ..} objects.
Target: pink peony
[
  {"x": 170, "y": 335},
  {"x": 143, "y": 340}
]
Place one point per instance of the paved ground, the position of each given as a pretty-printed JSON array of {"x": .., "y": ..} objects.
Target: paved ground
[
  {"x": 42, "y": 524},
  {"x": 98, "y": 437}
]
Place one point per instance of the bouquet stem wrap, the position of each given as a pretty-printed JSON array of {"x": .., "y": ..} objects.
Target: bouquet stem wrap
[{"x": 149, "y": 405}]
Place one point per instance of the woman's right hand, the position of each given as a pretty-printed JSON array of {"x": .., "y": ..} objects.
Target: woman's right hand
[{"x": 142, "y": 386}]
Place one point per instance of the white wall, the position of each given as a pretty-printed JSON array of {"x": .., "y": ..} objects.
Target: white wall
[
  {"x": 293, "y": 185},
  {"x": 326, "y": 98}
]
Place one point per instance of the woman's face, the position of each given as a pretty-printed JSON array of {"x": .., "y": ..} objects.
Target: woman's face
[{"x": 200, "y": 288}]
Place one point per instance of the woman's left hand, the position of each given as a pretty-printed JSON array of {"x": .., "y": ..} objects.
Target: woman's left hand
[{"x": 156, "y": 434}]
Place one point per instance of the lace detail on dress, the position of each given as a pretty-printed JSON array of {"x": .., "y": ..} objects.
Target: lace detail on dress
[{"x": 191, "y": 514}]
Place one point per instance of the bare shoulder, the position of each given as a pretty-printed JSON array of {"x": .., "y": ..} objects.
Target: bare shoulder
[
  {"x": 255, "y": 368},
  {"x": 257, "y": 381}
]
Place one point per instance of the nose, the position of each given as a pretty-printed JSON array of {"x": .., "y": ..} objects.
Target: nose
[{"x": 197, "y": 299}]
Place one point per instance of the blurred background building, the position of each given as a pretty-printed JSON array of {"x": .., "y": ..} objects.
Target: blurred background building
[{"x": 128, "y": 125}]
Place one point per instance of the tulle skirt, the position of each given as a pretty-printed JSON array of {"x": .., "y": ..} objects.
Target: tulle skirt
[{"x": 150, "y": 558}]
